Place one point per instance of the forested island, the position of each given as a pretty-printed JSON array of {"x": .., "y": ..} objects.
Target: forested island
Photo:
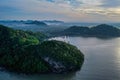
[
  {"x": 103, "y": 30},
  {"x": 36, "y": 23},
  {"x": 27, "y": 52},
  {"x": 30, "y": 52}
]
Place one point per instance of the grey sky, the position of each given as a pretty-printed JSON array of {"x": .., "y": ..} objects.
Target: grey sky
[{"x": 66, "y": 10}]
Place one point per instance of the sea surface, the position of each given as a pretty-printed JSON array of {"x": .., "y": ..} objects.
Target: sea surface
[{"x": 102, "y": 61}]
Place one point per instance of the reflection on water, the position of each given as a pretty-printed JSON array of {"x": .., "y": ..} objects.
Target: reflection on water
[
  {"x": 13, "y": 76},
  {"x": 102, "y": 61}
]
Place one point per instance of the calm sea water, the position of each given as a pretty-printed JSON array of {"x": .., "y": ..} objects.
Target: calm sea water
[{"x": 102, "y": 62}]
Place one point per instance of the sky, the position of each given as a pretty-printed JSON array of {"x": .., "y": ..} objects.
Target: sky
[{"x": 64, "y": 10}]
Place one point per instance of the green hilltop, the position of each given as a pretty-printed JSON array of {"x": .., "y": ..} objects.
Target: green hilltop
[
  {"x": 27, "y": 52},
  {"x": 103, "y": 30}
]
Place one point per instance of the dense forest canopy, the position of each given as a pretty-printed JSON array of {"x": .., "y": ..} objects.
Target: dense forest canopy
[{"x": 26, "y": 52}]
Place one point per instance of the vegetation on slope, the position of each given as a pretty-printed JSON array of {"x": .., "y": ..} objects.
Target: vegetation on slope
[
  {"x": 25, "y": 52},
  {"x": 14, "y": 47},
  {"x": 63, "y": 54},
  {"x": 102, "y": 30}
]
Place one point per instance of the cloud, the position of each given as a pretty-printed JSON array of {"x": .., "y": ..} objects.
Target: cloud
[
  {"x": 68, "y": 10},
  {"x": 110, "y": 3}
]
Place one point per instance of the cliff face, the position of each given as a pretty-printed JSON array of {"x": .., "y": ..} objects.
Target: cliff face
[{"x": 61, "y": 57}]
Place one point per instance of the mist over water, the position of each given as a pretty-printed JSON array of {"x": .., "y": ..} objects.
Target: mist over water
[{"x": 102, "y": 61}]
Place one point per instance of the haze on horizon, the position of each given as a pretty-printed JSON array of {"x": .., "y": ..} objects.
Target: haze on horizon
[{"x": 65, "y": 10}]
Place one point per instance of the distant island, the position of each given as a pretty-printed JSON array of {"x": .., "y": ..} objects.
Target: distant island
[
  {"x": 102, "y": 30},
  {"x": 36, "y": 23},
  {"x": 27, "y": 52},
  {"x": 31, "y": 22}
]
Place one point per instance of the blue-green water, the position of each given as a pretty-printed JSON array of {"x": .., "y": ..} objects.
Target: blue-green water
[{"x": 102, "y": 62}]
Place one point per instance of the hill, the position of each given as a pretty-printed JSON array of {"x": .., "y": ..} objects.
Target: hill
[
  {"x": 37, "y": 23},
  {"x": 26, "y": 52},
  {"x": 102, "y": 30}
]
